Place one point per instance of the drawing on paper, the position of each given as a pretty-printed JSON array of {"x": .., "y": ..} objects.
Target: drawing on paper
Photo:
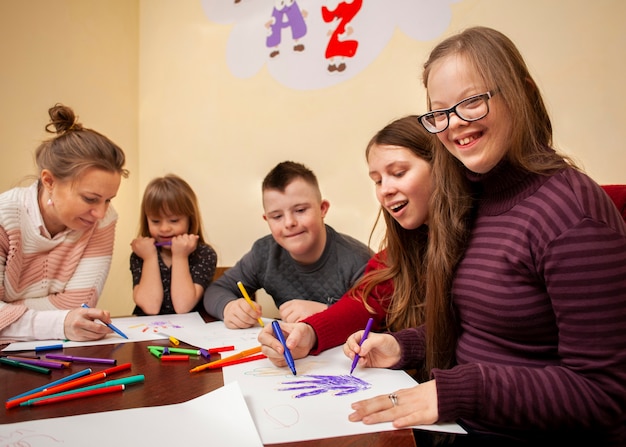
[
  {"x": 27, "y": 438},
  {"x": 319, "y": 384},
  {"x": 275, "y": 371},
  {"x": 155, "y": 326},
  {"x": 284, "y": 416}
]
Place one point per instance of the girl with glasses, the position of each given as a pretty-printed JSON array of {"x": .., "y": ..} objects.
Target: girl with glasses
[{"x": 525, "y": 336}]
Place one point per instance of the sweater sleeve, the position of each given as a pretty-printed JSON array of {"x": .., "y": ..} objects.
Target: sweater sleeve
[
  {"x": 225, "y": 289},
  {"x": 348, "y": 315},
  {"x": 584, "y": 272}
]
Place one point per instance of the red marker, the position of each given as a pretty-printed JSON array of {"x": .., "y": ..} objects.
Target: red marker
[
  {"x": 93, "y": 377},
  {"x": 174, "y": 358}
]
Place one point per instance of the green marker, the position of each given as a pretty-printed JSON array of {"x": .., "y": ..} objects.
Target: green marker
[
  {"x": 124, "y": 381},
  {"x": 39, "y": 369},
  {"x": 176, "y": 350}
]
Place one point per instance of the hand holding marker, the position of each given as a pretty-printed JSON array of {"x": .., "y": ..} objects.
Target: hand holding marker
[
  {"x": 281, "y": 337},
  {"x": 110, "y": 326},
  {"x": 247, "y": 298},
  {"x": 366, "y": 332}
]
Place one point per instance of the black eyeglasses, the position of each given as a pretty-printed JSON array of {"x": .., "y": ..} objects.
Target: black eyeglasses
[{"x": 470, "y": 109}]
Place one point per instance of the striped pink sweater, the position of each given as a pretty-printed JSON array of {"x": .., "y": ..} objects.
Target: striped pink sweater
[{"x": 40, "y": 273}]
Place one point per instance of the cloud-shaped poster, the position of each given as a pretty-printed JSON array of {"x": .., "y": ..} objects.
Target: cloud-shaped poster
[{"x": 313, "y": 44}]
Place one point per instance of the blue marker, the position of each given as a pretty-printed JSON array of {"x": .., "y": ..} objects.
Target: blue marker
[
  {"x": 48, "y": 348},
  {"x": 279, "y": 334},
  {"x": 82, "y": 373},
  {"x": 113, "y": 328},
  {"x": 366, "y": 332}
]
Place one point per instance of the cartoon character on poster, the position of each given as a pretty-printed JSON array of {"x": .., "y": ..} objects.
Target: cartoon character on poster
[
  {"x": 286, "y": 15},
  {"x": 338, "y": 49}
]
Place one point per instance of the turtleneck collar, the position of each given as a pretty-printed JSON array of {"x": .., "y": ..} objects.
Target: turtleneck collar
[{"x": 503, "y": 187}]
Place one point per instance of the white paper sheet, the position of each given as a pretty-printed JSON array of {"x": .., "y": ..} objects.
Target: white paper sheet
[
  {"x": 282, "y": 416},
  {"x": 217, "y": 418},
  {"x": 216, "y": 334},
  {"x": 135, "y": 328}
]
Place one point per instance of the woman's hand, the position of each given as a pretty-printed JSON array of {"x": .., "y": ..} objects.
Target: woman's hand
[
  {"x": 80, "y": 324},
  {"x": 411, "y": 406},
  {"x": 377, "y": 351}
]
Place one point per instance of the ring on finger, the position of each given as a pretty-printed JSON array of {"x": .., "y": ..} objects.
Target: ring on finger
[{"x": 393, "y": 397}]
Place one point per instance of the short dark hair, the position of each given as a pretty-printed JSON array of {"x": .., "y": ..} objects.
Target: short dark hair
[{"x": 286, "y": 172}]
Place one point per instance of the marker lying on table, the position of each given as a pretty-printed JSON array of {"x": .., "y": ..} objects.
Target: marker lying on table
[
  {"x": 73, "y": 396},
  {"x": 72, "y": 358},
  {"x": 39, "y": 362},
  {"x": 176, "y": 350},
  {"x": 48, "y": 348},
  {"x": 174, "y": 357},
  {"x": 173, "y": 340},
  {"x": 236, "y": 361},
  {"x": 366, "y": 332},
  {"x": 77, "y": 375},
  {"x": 28, "y": 366},
  {"x": 93, "y": 377},
  {"x": 110, "y": 326},
  {"x": 206, "y": 353},
  {"x": 109, "y": 383},
  {"x": 218, "y": 363},
  {"x": 246, "y": 297}
]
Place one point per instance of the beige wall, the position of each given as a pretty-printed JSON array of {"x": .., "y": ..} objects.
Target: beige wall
[
  {"x": 82, "y": 53},
  {"x": 152, "y": 75}
]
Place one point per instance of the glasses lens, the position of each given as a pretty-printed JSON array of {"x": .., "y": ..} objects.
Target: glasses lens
[
  {"x": 435, "y": 122},
  {"x": 473, "y": 109}
]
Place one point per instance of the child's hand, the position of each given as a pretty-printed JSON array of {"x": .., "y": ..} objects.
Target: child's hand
[
  {"x": 300, "y": 339},
  {"x": 296, "y": 310},
  {"x": 184, "y": 244},
  {"x": 238, "y": 314},
  {"x": 143, "y": 247}
]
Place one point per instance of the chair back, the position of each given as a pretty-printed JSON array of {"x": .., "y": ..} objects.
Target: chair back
[{"x": 617, "y": 193}]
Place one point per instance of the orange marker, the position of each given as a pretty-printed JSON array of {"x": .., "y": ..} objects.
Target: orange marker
[
  {"x": 93, "y": 377},
  {"x": 218, "y": 363}
]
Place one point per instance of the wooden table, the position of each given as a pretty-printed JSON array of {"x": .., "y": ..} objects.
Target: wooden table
[{"x": 165, "y": 383}]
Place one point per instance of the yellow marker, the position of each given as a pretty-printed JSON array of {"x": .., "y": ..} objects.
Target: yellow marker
[
  {"x": 247, "y": 298},
  {"x": 173, "y": 340}
]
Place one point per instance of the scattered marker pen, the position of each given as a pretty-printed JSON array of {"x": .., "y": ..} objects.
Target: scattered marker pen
[
  {"x": 48, "y": 348},
  {"x": 72, "y": 358}
]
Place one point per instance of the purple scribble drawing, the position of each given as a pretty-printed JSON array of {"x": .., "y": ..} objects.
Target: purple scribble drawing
[{"x": 338, "y": 385}]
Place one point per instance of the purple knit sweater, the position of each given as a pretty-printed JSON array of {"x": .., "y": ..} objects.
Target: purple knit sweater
[{"x": 541, "y": 297}]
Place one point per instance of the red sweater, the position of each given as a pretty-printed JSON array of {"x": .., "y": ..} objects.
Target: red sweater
[{"x": 348, "y": 315}]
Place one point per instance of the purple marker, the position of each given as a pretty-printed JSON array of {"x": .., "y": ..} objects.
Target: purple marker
[
  {"x": 366, "y": 332},
  {"x": 162, "y": 244},
  {"x": 71, "y": 358},
  {"x": 36, "y": 362}
]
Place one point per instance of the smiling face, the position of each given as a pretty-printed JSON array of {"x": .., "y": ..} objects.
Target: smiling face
[
  {"x": 481, "y": 144},
  {"x": 403, "y": 183},
  {"x": 77, "y": 204},
  {"x": 296, "y": 219}
]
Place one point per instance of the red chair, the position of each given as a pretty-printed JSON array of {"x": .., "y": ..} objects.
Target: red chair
[{"x": 617, "y": 193}]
